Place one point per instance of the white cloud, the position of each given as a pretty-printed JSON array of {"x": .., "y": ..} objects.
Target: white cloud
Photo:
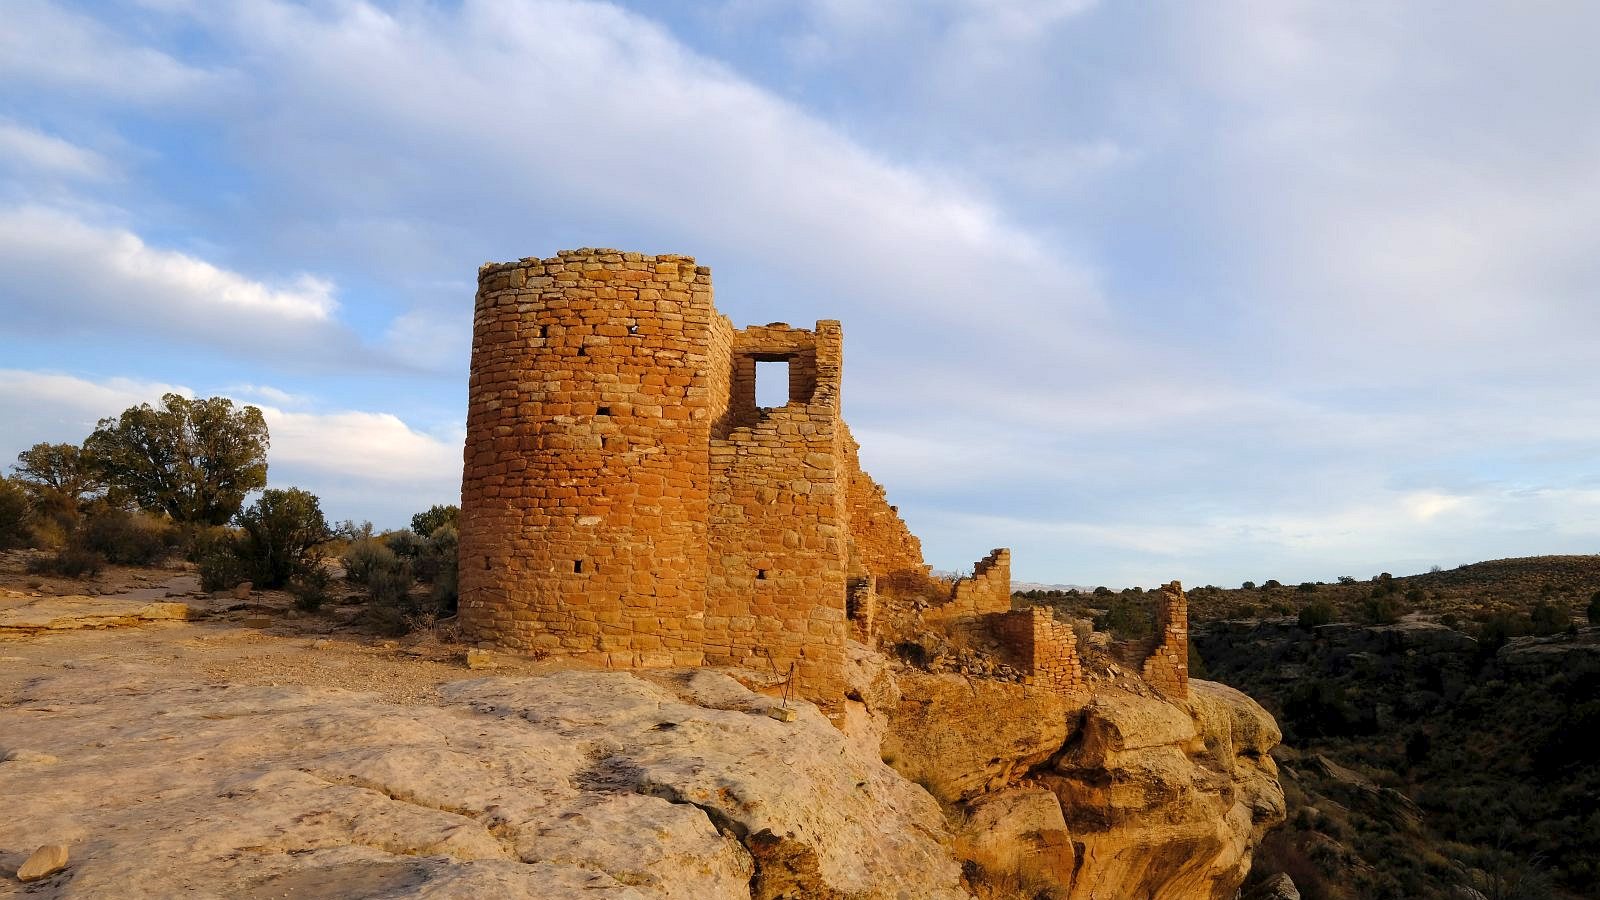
[
  {"x": 68, "y": 274},
  {"x": 60, "y": 408},
  {"x": 470, "y": 113},
  {"x": 30, "y": 150},
  {"x": 46, "y": 44},
  {"x": 374, "y": 448}
]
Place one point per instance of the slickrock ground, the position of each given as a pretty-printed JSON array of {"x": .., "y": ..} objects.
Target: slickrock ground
[
  {"x": 205, "y": 759},
  {"x": 185, "y": 745}
]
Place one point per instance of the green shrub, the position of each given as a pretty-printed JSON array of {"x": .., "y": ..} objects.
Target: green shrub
[
  {"x": 1315, "y": 613},
  {"x": 391, "y": 585},
  {"x": 442, "y": 549},
  {"x": 1382, "y": 609},
  {"x": 1548, "y": 618},
  {"x": 15, "y": 511},
  {"x": 424, "y": 524},
  {"x": 1307, "y": 587},
  {"x": 364, "y": 557},
  {"x": 126, "y": 538},
  {"x": 405, "y": 544},
  {"x": 221, "y": 569},
  {"x": 1248, "y": 586},
  {"x": 1127, "y": 620},
  {"x": 1271, "y": 583},
  {"x": 70, "y": 562},
  {"x": 1594, "y": 609},
  {"x": 311, "y": 587},
  {"x": 392, "y": 608},
  {"x": 280, "y": 534}
]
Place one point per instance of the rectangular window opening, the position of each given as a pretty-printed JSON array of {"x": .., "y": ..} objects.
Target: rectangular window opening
[
  {"x": 761, "y": 574},
  {"x": 772, "y": 383},
  {"x": 633, "y": 327},
  {"x": 577, "y": 566},
  {"x": 602, "y": 411}
]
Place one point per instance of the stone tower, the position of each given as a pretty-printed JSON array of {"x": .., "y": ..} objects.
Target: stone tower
[
  {"x": 585, "y": 487},
  {"x": 623, "y": 497}
]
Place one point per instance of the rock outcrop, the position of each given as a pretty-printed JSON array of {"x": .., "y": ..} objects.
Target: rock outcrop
[
  {"x": 1121, "y": 795},
  {"x": 576, "y": 783},
  {"x": 25, "y": 614}
]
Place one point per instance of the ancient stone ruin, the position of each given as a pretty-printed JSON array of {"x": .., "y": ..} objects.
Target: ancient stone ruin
[{"x": 625, "y": 500}]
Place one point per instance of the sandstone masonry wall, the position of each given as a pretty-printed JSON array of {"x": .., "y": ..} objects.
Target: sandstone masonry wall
[
  {"x": 879, "y": 539},
  {"x": 1045, "y": 649},
  {"x": 777, "y": 519},
  {"x": 625, "y": 500},
  {"x": 585, "y": 483},
  {"x": 988, "y": 591},
  {"x": 623, "y": 497},
  {"x": 1167, "y": 666}
]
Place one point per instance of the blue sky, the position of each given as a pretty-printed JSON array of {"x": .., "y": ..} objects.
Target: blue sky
[{"x": 1141, "y": 290}]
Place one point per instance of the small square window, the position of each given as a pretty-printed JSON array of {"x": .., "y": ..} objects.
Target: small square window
[
  {"x": 761, "y": 574},
  {"x": 577, "y": 566},
  {"x": 602, "y": 411}
]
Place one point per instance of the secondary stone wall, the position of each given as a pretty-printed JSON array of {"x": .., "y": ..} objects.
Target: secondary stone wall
[
  {"x": 988, "y": 591},
  {"x": 880, "y": 542},
  {"x": 1167, "y": 666},
  {"x": 1043, "y": 648},
  {"x": 585, "y": 481},
  {"x": 777, "y": 519}
]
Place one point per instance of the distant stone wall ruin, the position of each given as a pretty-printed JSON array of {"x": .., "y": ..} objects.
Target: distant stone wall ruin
[{"x": 1167, "y": 665}]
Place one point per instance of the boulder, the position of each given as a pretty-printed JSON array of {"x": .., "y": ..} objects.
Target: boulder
[
  {"x": 45, "y": 861},
  {"x": 960, "y": 737},
  {"x": 1018, "y": 831}
]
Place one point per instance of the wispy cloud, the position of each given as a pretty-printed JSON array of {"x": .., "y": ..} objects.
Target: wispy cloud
[
  {"x": 66, "y": 274},
  {"x": 35, "y": 152},
  {"x": 50, "y": 45}
]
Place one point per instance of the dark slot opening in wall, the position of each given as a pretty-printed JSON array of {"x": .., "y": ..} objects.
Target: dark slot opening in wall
[
  {"x": 761, "y": 574},
  {"x": 602, "y": 411},
  {"x": 577, "y": 566},
  {"x": 772, "y": 382},
  {"x": 582, "y": 350},
  {"x": 633, "y": 328},
  {"x": 544, "y": 331}
]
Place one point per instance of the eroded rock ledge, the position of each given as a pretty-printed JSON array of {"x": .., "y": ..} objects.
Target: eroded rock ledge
[{"x": 571, "y": 784}]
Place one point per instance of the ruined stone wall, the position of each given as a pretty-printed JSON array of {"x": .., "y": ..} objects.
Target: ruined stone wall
[
  {"x": 624, "y": 499},
  {"x": 880, "y": 542},
  {"x": 586, "y": 471},
  {"x": 1167, "y": 666},
  {"x": 861, "y": 608},
  {"x": 1044, "y": 649},
  {"x": 776, "y": 592},
  {"x": 988, "y": 591}
]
